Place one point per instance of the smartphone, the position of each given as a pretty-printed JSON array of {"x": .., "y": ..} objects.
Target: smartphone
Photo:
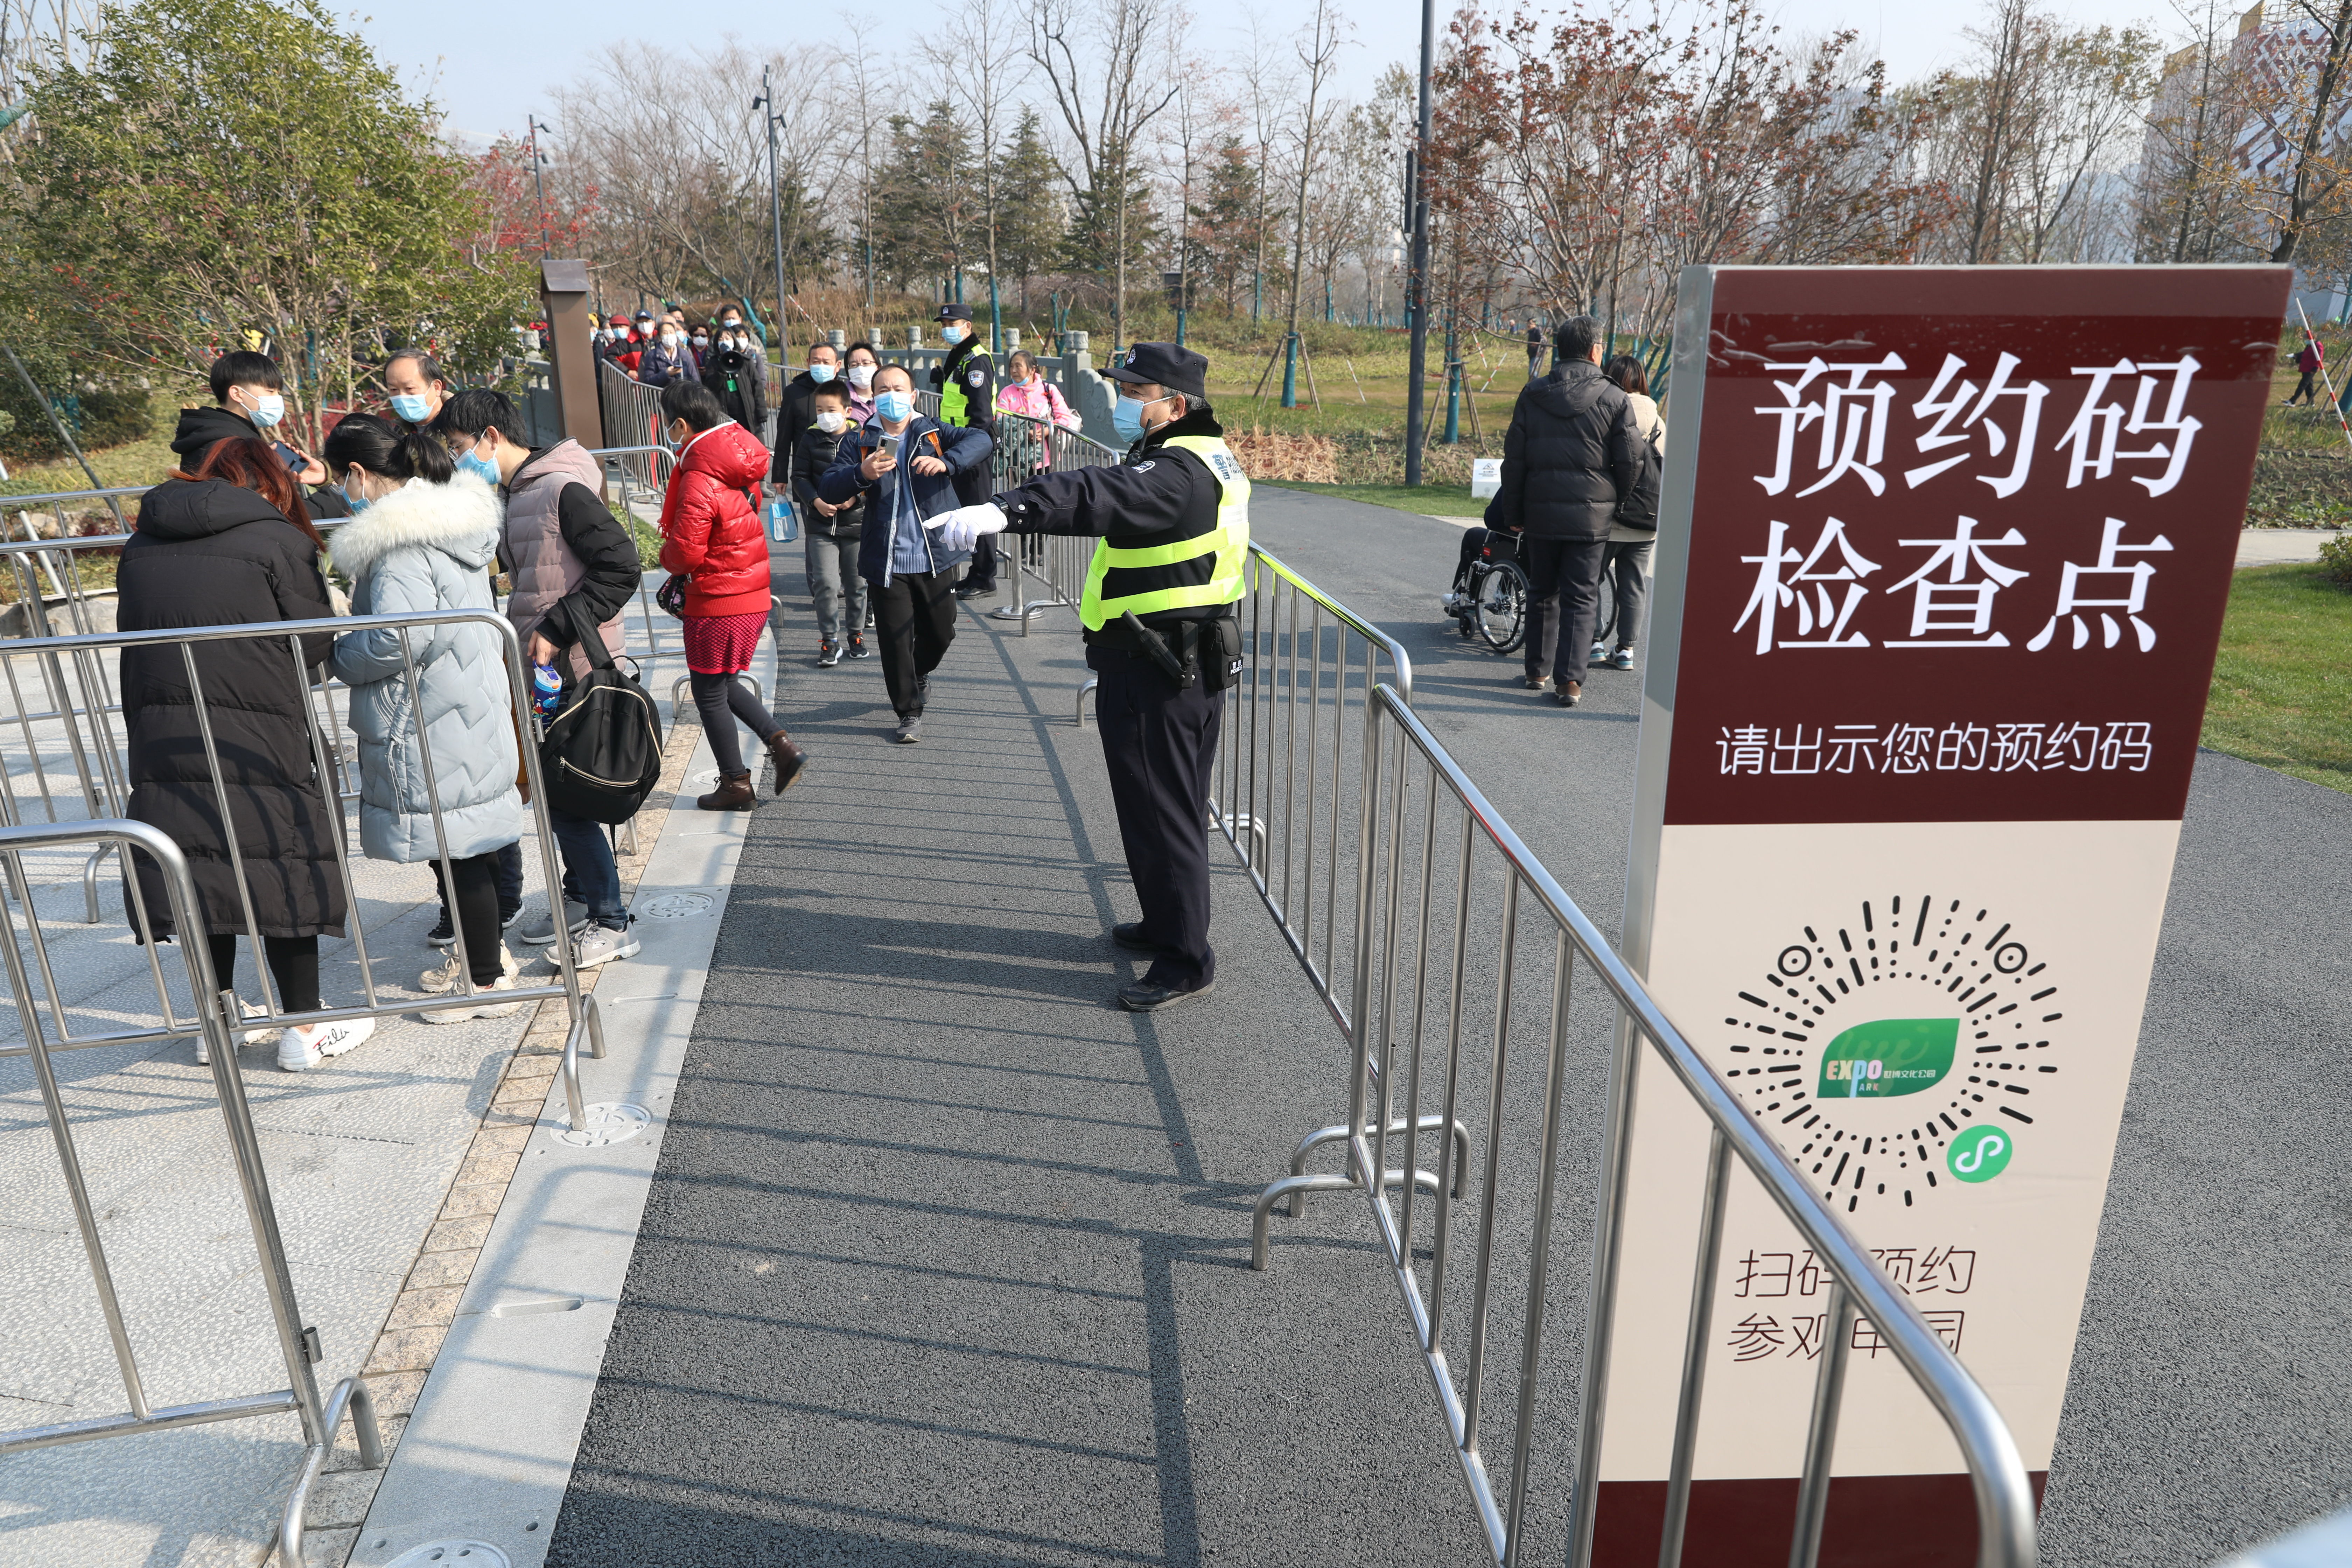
[{"x": 890, "y": 445}]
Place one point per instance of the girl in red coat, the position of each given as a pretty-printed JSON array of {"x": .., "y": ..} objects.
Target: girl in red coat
[{"x": 711, "y": 536}]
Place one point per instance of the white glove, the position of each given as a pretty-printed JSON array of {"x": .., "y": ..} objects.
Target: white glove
[{"x": 959, "y": 528}]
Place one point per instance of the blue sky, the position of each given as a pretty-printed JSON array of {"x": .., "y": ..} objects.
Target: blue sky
[{"x": 490, "y": 66}]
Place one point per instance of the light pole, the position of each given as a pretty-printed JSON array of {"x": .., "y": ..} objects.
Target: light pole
[
  {"x": 1417, "y": 281},
  {"x": 537, "y": 184},
  {"x": 766, "y": 102}
]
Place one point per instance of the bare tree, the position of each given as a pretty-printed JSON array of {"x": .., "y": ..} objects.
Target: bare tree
[
  {"x": 1098, "y": 62},
  {"x": 1319, "y": 47},
  {"x": 982, "y": 56}
]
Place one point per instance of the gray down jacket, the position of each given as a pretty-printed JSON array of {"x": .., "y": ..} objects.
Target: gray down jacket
[{"x": 428, "y": 547}]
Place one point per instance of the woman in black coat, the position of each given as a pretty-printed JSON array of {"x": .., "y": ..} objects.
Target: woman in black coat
[
  {"x": 228, "y": 545},
  {"x": 736, "y": 370}
]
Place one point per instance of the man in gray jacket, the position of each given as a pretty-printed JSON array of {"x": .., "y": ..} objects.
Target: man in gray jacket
[{"x": 1573, "y": 449}]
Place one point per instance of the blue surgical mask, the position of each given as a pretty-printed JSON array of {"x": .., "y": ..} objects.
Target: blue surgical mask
[
  {"x": 895, "y": 406},
  {"x": 1127, "y": 419},
  {"x": 268, "y": 409},
  {"x": 481, "y": 467},
  {"x": 820, "y": 373},
  {"x": 411, "y": 406},
  {"x": 953, "y": 334},
  {"x": 358, "y": 503}
]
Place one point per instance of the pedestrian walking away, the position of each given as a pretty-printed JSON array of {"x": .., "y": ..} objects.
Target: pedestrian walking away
[
  {"x": 574, "y": 569},
  {"x": 831, "y": 534},
  {"x": 906, "y": 466},
  {"x": 1572, "y": 451},
  {"x": 2308, "y": 362},
  {"x": 1171, "y": 522},
  {"x": 423, "y": 541},
  {"x": 966, "y": 383},
  {"x": 225, "y": 544},
  {"x": 1633, "y": 527},
  {"x": 711, "y": 536}
]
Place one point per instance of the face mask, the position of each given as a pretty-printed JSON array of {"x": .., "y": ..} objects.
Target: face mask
[
  {"x": 481, "y": 467},
  {"x": 411, "y": 406},
  {"x": 895, "y": 406},
  {"x": 701, "y": 341},
  {"x": 670, "y": 340},
  {"x": 831, "y": 420},
  {"x": 732, "y": 326},
  {"x": 861, "y": 376},
  {"x": 359, "y": 503},
  {"x": 820, "y": 373},
  {"x": 1127, "y": 419},
  {"x": 952, "y": 335},
  {"x": 268, "y": 409}
]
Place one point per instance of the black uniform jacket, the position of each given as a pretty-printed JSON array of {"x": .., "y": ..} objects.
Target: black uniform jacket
[{"x": 1157, "y": 493}]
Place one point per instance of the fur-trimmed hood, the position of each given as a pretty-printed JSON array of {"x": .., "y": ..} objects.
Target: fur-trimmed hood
[{"x": 459, "y": 519}]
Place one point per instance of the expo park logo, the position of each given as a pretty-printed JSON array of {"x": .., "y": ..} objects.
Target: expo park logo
[{"x": 1933, "y": 1082}]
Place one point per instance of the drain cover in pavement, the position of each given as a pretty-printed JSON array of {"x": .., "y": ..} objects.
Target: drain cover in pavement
[
  {"x": 707, "y": 779},
  {"x": 677, "y": 906},
  {"x": 609, "y": 1122},
  {"x": 451, "y": 1554}
]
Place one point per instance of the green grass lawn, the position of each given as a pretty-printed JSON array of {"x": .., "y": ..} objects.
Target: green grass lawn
[
  {"x": 1436, "y": 501},
  {"x": 2283, "y": 685}
]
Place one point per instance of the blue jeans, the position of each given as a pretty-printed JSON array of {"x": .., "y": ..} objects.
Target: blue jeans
[{"x": 590, "y": 877}]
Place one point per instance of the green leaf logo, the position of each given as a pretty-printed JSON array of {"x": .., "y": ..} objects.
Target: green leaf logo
[{"x": 1889, "y": 1058}]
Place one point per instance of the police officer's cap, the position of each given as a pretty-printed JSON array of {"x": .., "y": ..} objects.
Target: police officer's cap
[
  {"x": 952, "y": 312},
  {"x": 1170, "y": 365}
]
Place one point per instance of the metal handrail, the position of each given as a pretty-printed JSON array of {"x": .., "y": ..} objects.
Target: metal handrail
[
  {"x": 295, "y": 1342},
  {"x": 2004, "y": 1499},
  {"x": 586, "y": 1023}
]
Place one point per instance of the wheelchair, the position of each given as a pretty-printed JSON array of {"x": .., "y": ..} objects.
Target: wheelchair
[{"x": 1491, "y": 605}]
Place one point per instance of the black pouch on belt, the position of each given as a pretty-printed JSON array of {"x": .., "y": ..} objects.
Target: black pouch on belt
[{"x": 1218, "y": 650}]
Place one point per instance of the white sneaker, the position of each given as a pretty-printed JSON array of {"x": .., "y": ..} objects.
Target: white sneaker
[
  {"x": 600, "y": 944},
  {"x": 247, "y": 1037},
  {"x": 541, "y": 932},
  {"x": 481, "y": 1009},
  {"x": 300, "y": 1049},
  {"x": 442, "y": 980}
]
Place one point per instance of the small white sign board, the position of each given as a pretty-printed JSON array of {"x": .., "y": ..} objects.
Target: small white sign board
[{"x": 1485, "y": 477}]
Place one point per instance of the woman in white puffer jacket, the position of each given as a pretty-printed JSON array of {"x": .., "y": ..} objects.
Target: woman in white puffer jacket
[{"x": 422, "y": 539}]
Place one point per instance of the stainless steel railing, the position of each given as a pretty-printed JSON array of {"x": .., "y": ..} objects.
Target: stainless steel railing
[
  {"x": 1423, "y": 826},
  {"x": 86, "y": 728},
  {"x": 298, "y": 1345}
]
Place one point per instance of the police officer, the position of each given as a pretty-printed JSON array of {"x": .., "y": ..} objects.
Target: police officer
[
  {"x": 966, "y": 383},
  {"x": 1174, "y": 525}
]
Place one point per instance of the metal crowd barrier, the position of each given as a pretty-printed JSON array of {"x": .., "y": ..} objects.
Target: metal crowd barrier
[
  {"x": 215, "y": 1019},
  {"x": 86, "y": 729},
  {"x": 1421, "y": 825},
  {"x": 1026, "y": 448}
]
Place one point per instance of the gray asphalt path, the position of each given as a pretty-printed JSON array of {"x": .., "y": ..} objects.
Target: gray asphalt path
[{"x": 945, "y": 1260}]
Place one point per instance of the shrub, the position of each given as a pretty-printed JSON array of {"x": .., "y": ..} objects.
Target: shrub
[{"x": 2335, "y": 560}]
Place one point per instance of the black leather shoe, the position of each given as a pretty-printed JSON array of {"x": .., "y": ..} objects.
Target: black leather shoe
[
  {"x": 1130, "y": 934},
  {"x": 976, "y": 591},
  {"x": 1152, "y": 998}
]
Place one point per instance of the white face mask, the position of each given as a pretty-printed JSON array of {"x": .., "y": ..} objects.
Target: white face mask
[
  {"x": 669, "y": 339},
  {"x": 268, "y": 408},
  {"x": 831, "y": 420},
  {"x": 861, "y": 376}
]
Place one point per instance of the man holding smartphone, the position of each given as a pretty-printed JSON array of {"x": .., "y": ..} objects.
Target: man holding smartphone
[{"x": 907, "y": 467}]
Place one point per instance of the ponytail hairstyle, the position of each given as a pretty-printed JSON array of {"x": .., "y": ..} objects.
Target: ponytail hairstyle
[
  {"x": 374, "y": 444},
  {"x": 252, "y": 464}
]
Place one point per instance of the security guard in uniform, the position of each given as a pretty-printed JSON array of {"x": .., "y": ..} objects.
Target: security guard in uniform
[
  {"x": 966, "y": 383},
  {"x": 1173, "y": 521}
]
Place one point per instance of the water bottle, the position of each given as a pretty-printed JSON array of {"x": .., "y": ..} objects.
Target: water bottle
[
  {"x": 783, "y": 523},
  {"x": 546, "y": 689}
]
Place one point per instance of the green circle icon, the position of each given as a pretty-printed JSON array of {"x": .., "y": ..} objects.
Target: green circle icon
[{"x": 1980, "y": 1154}]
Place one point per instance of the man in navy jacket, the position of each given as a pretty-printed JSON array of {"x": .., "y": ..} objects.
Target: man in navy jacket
[{"x": 906, "y": 466}]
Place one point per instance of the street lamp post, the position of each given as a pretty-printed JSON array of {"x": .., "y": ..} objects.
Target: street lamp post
[
  {"x": 766, "y": 101},
  {"x": 538, "y": 184},
  {"x": 1417, "y": 281}
]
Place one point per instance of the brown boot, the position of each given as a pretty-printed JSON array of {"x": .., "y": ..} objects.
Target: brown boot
[
  {"x": 790, "y": 761},
  {"x": 734, "y": 793}
]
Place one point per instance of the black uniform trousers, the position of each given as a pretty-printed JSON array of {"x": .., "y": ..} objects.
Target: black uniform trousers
[
  {"x": 1563, "y": 605},
  {"x": 1159, "y": 746},
  {"x": 914, "y": 620},
  {"x": 972, "y": 489}
]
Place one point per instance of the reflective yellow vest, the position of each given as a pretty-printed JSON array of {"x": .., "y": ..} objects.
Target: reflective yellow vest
[
  {"x": 1171, "y": 576},
  {"x": 955, "y": 401}
]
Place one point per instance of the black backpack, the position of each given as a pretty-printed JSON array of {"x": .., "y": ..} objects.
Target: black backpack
[
  {"x": 601, "y": 756},
  {"x": 1640, "y": 510}
]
